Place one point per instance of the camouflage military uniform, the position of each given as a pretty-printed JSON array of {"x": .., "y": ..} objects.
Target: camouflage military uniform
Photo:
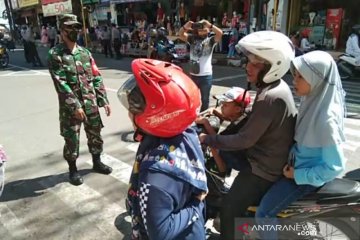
[{"x": 79, "y": 85}]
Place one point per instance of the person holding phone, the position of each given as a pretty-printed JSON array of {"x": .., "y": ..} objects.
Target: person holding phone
[{"x": 202, "y": 37}]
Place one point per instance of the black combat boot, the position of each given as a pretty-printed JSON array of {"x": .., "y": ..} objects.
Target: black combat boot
[
  {"x": 74, "y": 176},
  {"x": 99, "y": 166}
]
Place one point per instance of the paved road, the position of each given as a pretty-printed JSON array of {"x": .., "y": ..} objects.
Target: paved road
[{"x": 38, "y": 203}]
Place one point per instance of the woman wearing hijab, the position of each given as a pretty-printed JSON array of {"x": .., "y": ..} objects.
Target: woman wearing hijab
[{"x": 317, "y": 156}]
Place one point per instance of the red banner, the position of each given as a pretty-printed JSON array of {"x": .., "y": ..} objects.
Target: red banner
[{"x": 333, "y": 23}]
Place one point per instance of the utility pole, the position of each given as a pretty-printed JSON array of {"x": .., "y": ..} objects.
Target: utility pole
[
  {"x": 9, "y": 17},
  {"x": 83, "y": 21},
  {"x": 276, "y": 6}
]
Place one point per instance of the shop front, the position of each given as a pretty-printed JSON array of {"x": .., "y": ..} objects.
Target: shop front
[
  {"x": 28, "y": 11},
  {"x": 102, "y": 15},
  {"x": 325, "y": 23}
]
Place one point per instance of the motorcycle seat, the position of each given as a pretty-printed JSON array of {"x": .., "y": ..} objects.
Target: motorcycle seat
[{"x": 337, "y": 190}]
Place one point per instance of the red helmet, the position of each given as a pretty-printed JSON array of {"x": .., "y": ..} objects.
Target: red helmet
[{"x": 167, "y": 100}]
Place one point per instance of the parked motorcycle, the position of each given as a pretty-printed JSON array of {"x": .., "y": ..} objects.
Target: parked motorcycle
[
  {"x": 4, "y": 55},
  {"x": 347, "y": 67},
  {"x": 165, "y": 51}
]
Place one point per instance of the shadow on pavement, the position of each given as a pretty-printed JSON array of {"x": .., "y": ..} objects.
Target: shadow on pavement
[{"x": 26, "y": 188}]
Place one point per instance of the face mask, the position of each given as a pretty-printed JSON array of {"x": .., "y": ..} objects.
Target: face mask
[{"x": 72, "y": 35}]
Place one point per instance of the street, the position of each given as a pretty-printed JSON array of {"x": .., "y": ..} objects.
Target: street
[{"x": 38, "y": 202}]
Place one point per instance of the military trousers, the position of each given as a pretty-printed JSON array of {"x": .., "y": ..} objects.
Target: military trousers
[{"x": 70, "y": 130}]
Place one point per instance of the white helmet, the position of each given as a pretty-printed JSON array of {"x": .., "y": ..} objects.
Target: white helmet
[{"x": 274, "y": 47}]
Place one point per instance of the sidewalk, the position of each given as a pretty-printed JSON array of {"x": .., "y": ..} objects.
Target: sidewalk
[{"x": 219, "y": 59}]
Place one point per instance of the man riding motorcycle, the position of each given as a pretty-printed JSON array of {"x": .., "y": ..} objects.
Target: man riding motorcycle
[
  {"x": 268, "y": 134},
  {"x": 352, "y": 44},
  {"x": 159, "y": 44}
]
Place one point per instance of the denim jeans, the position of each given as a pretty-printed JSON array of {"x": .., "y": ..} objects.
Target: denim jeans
[
  {"x": 246, "y": 190},
  {"x": 204, "y": 83},
  {"x": 280, "y": 195},
  {"x": 231, "y": 52},
  {"x": 235, "y": 160}
]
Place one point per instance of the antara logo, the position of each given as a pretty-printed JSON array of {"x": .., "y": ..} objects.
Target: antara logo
[{"x": 243, "y": 228}]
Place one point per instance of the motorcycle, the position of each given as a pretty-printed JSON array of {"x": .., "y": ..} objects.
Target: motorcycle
[
  {"x": 347, "y": 67},
  {"x": 328, "y": 212},
  {"x": 4, "y": 55},
  {"x": 165, "y": 51}
]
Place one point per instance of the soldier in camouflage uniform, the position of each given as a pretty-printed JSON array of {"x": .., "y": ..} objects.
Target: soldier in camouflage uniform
[{"x": 81, "y": 92}]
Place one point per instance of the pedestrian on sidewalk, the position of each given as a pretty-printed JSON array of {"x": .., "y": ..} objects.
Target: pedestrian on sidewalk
[
  {"x": 32, "y": 49},
  {"x": 44, "y": 36},
  {"x": 24, "y": 36},
  {"x": 52, "y": 36},
  {"x": 232, "y": 43},
  {"x": 116, "y": 40},
  {"x": 81, "y": 92},
  {"x": 106, "y": 41},
  {"x": 202, "y": 37}
]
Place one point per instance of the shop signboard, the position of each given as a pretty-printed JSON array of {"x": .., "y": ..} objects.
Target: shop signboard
[
  {"x": 332, "y": 29},
  {"x": 101, "y": 13},
  {"x": 56, "y": 7},
  {"x": 27, "y": 3}
]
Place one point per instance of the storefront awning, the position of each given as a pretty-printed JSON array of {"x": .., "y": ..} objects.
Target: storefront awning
[{"x": 127, "y": 1}]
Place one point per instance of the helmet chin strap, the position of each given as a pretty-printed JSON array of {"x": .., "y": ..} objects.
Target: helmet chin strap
[
  {"x": 260, "y": 83},
  {"x": 138, "y": 133}
]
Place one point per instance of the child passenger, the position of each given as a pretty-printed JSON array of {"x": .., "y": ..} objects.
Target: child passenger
[
  {"x": 317, "y": 156},
  {"x": 233, "y": 105}
]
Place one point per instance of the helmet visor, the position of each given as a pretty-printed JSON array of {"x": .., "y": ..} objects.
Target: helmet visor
[
  {"x": 131, "y": 97},
  {"x": 125, "y": 90}
]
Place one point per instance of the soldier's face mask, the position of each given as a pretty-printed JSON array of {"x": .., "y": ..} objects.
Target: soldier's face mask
[{"x": 72, "y": 33}]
